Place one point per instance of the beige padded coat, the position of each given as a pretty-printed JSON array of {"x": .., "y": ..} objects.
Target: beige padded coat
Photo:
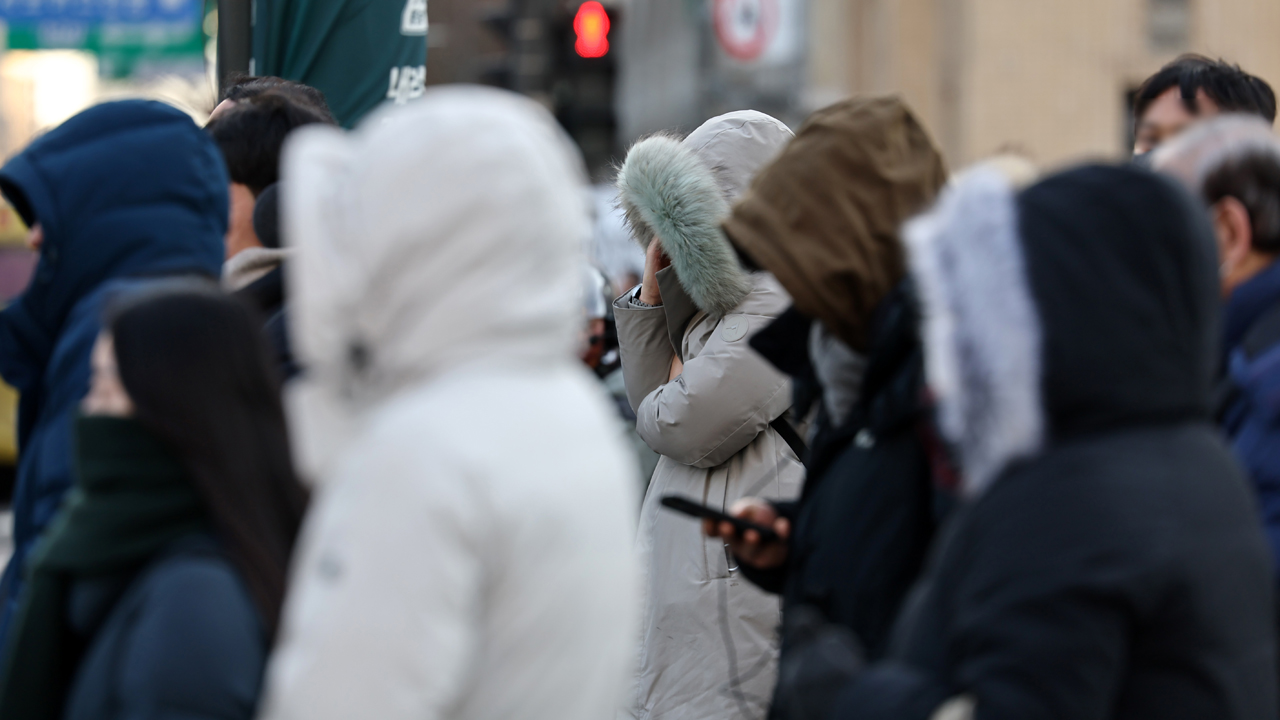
[{"x": 709, "y": 636}]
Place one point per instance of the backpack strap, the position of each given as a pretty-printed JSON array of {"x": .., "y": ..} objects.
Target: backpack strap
[{"x": 789, "y": 434}]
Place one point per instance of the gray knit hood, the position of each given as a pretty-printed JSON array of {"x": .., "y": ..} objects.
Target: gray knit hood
[{"x": 681, "y": 190}]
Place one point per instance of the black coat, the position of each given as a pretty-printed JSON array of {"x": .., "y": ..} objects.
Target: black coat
[
  {"x": 863, "y": 524},
  {"x": 1118, "y": 569},
  {"x": 179, "y": 640},
  {"x": 1115, "y": 577},
  {"x": 267, "y": 296}
]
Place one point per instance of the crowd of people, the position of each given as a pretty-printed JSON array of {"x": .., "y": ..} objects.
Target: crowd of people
[{"x": 319, "y": 423}]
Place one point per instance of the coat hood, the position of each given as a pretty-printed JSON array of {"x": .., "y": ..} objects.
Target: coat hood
[
  {"x": 681, "y": 190},
  {"x": 1084, "y": 304},
  {"x": 824, "y": 217},
  {"x": 442, "y": 233},
  {"x": 124, "y": 188}
]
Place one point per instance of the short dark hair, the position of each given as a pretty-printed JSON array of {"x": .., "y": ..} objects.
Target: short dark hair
[
  {"x": 241, "y": 87},
  {"x": 1231, "y": 88},
  {"x": 252, "y": 133},
  {"x": 1250, "y": 174}
]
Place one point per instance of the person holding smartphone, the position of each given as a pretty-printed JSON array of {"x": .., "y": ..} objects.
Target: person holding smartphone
[{"x": 856, "y": 540}]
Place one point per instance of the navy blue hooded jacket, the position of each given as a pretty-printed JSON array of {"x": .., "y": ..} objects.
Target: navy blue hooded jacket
[
  {"x": 125, "y": 189},
  {"x": 1250, "y": 402}
]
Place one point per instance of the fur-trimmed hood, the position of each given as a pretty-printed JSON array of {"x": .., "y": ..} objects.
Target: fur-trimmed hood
[
  {"x": 681, "y": 190},
  {"x": 1084, "y": 304}
]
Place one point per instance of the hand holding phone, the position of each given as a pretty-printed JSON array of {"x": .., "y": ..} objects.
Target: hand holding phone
[
  {"x": 752, "y": 529},
  {"x": 697, "y": 510}
]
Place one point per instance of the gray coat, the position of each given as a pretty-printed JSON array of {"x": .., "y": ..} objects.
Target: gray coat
[
  {"x": 709, "y": 637},
  {"x": 709, "y": 644}
]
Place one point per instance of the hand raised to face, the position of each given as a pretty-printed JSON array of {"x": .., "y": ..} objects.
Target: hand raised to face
[{"x": 655, "y": 259}]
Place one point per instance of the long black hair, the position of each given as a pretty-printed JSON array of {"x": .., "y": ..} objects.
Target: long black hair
[{"x": 196, "y": 366}]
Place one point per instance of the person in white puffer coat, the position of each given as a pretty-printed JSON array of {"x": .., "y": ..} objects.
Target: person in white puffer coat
[{"x": 468, "y": 554}]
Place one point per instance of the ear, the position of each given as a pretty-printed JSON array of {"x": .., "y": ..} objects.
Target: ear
[{"x": 1234, "y": 230}]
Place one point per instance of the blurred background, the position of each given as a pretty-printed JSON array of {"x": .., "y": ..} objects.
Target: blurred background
[{"x": 1052, "y": 79}]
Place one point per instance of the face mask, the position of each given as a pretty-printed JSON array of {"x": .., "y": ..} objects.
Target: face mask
[{"x": 1144, "y": 160}]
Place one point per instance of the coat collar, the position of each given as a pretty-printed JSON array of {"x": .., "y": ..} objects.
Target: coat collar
[{"x": 1248, "y": 303}]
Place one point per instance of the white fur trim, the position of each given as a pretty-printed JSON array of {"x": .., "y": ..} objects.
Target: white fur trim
[{"x": 981, "y": 327}]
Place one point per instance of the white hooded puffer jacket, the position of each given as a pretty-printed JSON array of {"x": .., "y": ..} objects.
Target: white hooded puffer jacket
[{"x": 468, "y": 552}]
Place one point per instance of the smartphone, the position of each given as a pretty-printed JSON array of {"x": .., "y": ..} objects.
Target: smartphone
[{"x": 691, "y": 508}]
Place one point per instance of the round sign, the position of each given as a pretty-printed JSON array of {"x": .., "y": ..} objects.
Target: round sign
[{"x": 745, "y": 27}]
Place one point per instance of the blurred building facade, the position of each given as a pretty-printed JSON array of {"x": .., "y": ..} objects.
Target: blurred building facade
[
  {"x": 1050, "y": 78},
  {"x": 670, "y": 64}
]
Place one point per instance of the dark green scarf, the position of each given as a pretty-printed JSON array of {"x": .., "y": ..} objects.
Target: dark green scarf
[{"x": 131, "y": 500}]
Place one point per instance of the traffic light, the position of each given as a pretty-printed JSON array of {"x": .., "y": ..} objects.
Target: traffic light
[
  {"x": 591, "y": 24},
  {"x": 560, "y": 53},
  {"x": 583, "y": 87}
]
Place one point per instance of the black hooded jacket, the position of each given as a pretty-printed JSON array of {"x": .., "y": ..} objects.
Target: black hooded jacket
[
  {"x": 862, "y": 527},
  {"x": 1119, "y": 571}
]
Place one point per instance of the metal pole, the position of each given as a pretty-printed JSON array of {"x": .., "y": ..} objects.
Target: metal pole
[{"x": 235, "y": 38}]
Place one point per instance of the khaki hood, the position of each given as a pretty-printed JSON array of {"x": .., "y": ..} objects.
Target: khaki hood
[{"x": 824, "y": 218}]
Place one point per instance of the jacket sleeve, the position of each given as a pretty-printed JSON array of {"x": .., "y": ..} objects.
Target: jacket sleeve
[
  {"x": 723, "y": 399},
  {"x": 1253, "y": 426},
  {"x": 383, "y": 620},
  {"x": 644, "y": 346},
  {"x": 1033, "y": 636},
  {"x": 197, "y": 650},
  {"x": 1045, "y": 659},
  {"x": 891, "y": 691},
  {"x": 45, "y": 469}
]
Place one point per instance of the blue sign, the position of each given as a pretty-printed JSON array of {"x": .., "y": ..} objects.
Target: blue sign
[
  {"x": 100, "y": 11},
  {"x": 124, "y": 34}
]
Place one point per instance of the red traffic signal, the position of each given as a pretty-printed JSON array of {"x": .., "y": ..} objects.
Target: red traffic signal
[{"x": 592, "y": 27}]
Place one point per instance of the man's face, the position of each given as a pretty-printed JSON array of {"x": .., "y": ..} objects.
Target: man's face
[{"x": 1167, "y": 116}]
